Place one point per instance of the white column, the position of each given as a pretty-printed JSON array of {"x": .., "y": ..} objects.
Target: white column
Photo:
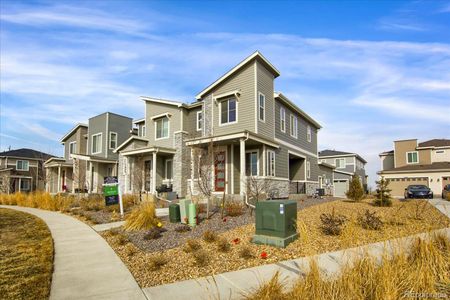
[
  {"x": 242, "y": 165},
  {"x": 89, "y": 172},
  {"x": 232, "y": 169},
  {"x": 20, "y": 184},
  {"x": 154, "y": 172},
  {"x": 192, "y": 170},
  {"x": 58, "y": 189}
]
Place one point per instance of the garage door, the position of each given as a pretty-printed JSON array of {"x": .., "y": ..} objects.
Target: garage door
[
  {"x": 398, "y": 185},
  {"x": 445, "y": 181},
  {"x": 340, "y": 188}
]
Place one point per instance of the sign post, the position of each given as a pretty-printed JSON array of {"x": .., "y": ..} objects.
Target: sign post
[{"x": 111, "y": 191}]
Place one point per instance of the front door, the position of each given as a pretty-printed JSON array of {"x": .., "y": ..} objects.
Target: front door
[{"x": 219, "y": 171}]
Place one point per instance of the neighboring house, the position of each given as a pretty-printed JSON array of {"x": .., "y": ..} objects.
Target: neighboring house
[
  {"x": 22, "y": 170},
  {"x": 346, "y": 166},
  {"x": 255, "y": 130},
  {"x": 426, "y": 163},
  {"x": 88, "y": 154}
]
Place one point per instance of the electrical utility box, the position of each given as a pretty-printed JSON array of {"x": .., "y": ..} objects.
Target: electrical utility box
[{"x": 276, "y": 222}]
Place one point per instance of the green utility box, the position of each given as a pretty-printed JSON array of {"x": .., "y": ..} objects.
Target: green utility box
[
  {"x": 184, "y": 210},
  {"x": 174, "y": 213},
  {"x": 276, "y": 222}
]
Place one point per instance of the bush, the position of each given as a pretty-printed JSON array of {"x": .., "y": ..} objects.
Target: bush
[
  {"x": 370, "y": 221},
  {"x": 92, "y": 203},
  {"x": 191, "y": 246},
  {"x": 209, "y": 236},
  {"x": 383, "y": 197},
  {"x": 245, "y": 252},
  {"x": 382, "y": 202},
  {"x": 355, "y": 191},
  {"x": 201, "y": 257},
  {"x": 156, "y": 262},
  {"x": 130, "y": 250},
  {"x": 234, "y": 208},
  {"x": 153, "y": 234},
  {"x": 332, "y": 223},
  {"x": 183, "y": 228},
  {"x": 122, "y": 239},
  {"x": 142, "y": 217},
  {"x": 223, "y": 245}
]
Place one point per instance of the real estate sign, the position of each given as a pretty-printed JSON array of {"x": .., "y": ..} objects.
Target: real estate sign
[{"x": 111, "y": 190}]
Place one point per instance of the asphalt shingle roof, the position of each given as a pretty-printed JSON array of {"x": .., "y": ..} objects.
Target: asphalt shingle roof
[
  {"x": 435, "y": 143},
  {"x": 441, "y": 165},
  {"x": 332, "y": 153},
  {"x": 26, "y": 153}
]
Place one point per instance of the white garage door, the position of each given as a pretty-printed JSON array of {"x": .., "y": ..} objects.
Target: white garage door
[{"x": 340, "y": 188}]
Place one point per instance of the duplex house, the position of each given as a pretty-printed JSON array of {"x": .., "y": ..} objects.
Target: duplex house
[
  {"x": 88, "y": 154},
  {"x": 346, "y": 165},
  {"x": 410, "y": 162},
  {"x": 22, "y": 170},
  {"x": 255, "y": 131}
]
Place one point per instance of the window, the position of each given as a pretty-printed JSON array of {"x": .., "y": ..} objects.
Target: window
[
  {"x": 308, "y": 170},
  {"x": 412, "y": 157},
  {"x": 96, "y": 143},
  {"x": 270, "y": 171},
  {"x": 168, "y": 169},
  {"x": 162, "y": 128},
  {"x": 22, "y": 165},
  {"x": 282, "y": 119},
  {"x": 251, "y": 163},
  {"x": 293, "y": 126},
  {"x": 24, "y": 185},
  {"x": 199, "y": 120},
  {"x": 109, "y": 171},
  {"x": 228, "y": 109},
  {"x": 340, "y": 163},
  {"x": 112, "y": 140},
  {"x": 262, "y": 107},
  {"x": 308, "y": 133},
  {"x": 143, "y": 130},
  {"x": 72, "y": 147},
  {"x": 440, "y": 151}
]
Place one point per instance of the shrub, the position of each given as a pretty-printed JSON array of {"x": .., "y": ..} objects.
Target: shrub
[
  {"x": 183, "y": 228},
  {"x": 332, "y": 223},
  {"x": 114, "y": 231},
  {"x": 223, "y": 245},
  {"x": 130, "y": 250},
  {"x": 420, "y": 207},
  {"x": 209, "y": 236},
  {"x": 121, "y": 239},
  {"x": 370, "y": 221},
  {"x": 156, "y": 262},
  {"x": 234, "y": 208},
  {"x": 191, "y": 246},
  {"x": 153, "y": 234},
  {"x": 355, "y": 191},
  {"x": 201, "y": 257},
  {"x": 383, "y": 197},
  {"x": 92, "y": 203},
  {"x": 245, "y": 252},
  {"x": 448, "y": 196},
  {"x": 142, "y": 217}
]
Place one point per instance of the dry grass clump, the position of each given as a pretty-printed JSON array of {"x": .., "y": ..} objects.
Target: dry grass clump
[
  {"x": 92, "y": 203},
  {"x": 40, "y": 200},
  {"x": 223, "y": 245},
  {"x": 369, "y": 220},
  {"x": 201, "y": 257},
  {"x": 130, "y": 250},
  {"x": 234, "y": 208},
  {"x": 183, "y": 228},
  {"x": 121, "y": 239},
  {"x": 209, "y": 236},
  {"x": 332, "y": 223},
  {"x": 191, "y": 246},
  {"x": 425, "y": 269},
  {"x": 26, "y": 256},
  {"x": 245, "y": 252},
  {"x": 153, "y": 234},
  {"x": 155, "y": 262},
  {"x": 142, "y": 217}
]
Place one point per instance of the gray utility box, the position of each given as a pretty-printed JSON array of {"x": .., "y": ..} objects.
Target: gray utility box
[{"x": 276, "y": 222}]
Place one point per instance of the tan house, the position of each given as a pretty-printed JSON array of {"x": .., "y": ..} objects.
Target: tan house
[{"x": 426, "y": 163}]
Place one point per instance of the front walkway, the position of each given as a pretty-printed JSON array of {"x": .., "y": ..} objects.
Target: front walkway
[
  {"x": 442, "y": 205},
  {"x": 85, "y": 266}
]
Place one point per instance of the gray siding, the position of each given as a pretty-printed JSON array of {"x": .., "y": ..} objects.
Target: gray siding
[
  {"x": 70, "y": 139},
  {"x": 97, "y": 125},
  {"x": 265, "y": 86},
  {"x": 341, "y": 176},
  {"x": 190, "y": 122},
  {"x": 326, "y": 173},
  {"x": 154, "y": 109},
  {"x": 120, "y": 125},
  {"x": 282, "y": 164},
  {"x": 349, "y": 163}
]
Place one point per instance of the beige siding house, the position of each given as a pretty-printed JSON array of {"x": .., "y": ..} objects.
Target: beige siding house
[{"x": 410, "y": 162}]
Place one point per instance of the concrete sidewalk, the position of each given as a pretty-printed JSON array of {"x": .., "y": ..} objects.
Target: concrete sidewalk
[
  {"x": 442, "y": 205},
  {"x": 85, "y": 266}
]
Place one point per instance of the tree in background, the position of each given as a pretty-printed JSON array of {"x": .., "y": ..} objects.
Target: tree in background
[
  {"x": 383, "y": 193},
  {"x": 355, "y": 191}
]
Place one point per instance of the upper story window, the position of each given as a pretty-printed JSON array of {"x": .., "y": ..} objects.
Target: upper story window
[
  {"x": 112, "y": 140},
  {"x": 340, "y": 163},
  {"x": 72, "y": 147},
  {"x": 96, "y": 143},
  {"x": 308, "y": 170},
  {"x": 199, "y": 120},
  {"x": 293, "y": 126},
  {"x": 308, "y": 133},
  {"x": 228, "y": 111},
  {"x": 162, "y": 128},
  {"x": 282, "y": 119},
  {"x": 270, "y": 165},
  {"x": 251, "y": 163},
  {"x": 262, "y": 107},
  {"x": 142, "y": 133},
  {"x": 412, "y": 157},
  {"x": 22, "y": 165}
]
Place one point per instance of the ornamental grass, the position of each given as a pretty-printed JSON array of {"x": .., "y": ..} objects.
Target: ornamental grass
[{"x": 143, "y": 217}]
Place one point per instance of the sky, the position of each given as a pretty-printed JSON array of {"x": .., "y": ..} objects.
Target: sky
[{"x": 370, "y": 72}]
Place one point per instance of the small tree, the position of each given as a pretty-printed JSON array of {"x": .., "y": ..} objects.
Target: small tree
[
  {"x": 355, "y": 191},
  {"x": 258, "y": 188},
  {"x": 383, "y": 193},
  {"x": 205, "y": 160},
  {"x": 138, "y": 175}
]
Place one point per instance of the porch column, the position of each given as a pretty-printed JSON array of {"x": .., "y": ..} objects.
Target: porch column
[
  {"x": 192, "y": 171},
  {"x": 58, "y": 189},
  {"x": 154, "y": 172},
  {"x": 90, "y": 181},
  {"x": 20, "y": 184},
  {"x": 242, "y": 166}
]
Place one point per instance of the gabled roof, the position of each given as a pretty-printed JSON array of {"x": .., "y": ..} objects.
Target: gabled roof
[
  {"x": 255, "y": 55},
  {"x": 441, "y": 165},
  {"x": 67, "y": 135},
  {"x": 387, "y": 153},
  {"x": 288, "y": 102},
  {"x": 334, "y": 153},
  {"x": 126, "y": 142},
  {"x": 436, "y": 143},
  {"x": 26, "y": 153},
  {"x": 170, "y": 102},
  {"x": 141, "y": 120}
]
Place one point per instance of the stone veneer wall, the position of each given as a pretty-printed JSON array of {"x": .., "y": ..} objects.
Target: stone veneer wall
[
  {"x": 120, "y": 176},
  {"x": 311, "y": 187},
  {"x": 207, "y": 109},
  {"x": 181, "y": 164}
]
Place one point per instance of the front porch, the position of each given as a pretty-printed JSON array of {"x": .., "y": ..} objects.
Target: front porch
[
  {"x": 92, "y": 171},
  {"x": 59, "y": 175}
]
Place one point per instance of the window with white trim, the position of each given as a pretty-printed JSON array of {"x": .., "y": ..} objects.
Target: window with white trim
[
  {"x": 270, "y": 165},
  {"x": 282, "y": 119},
  {"x": 169, "y": 169},
  {"x": 199, "y": 120},
  {"x": 72, "y": 147},
  {"x": 412, "y": 157},
  {"x": 293, "y": 126},
  {"x": 112, "y": 140},
  {"x": 22, "y": 165},
  {"x": 262, "y": 107},
  {"x": 308, "y": 170},
  {"x": 162, "y": 128},
  {"x": 251, "y": 163},
  {"x": 96, "y": 143},
  {"x": 308, "y": 133},
  {"x": 228, "y": 111},
  {"x": 24, "y": 184},
  {"x": 340, "y": 163},
  {"x": 143, "y": 131}
]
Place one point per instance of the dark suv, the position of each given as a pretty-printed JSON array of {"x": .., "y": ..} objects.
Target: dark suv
[
  {"x": 446, "y": 191},
  {"x": 418, "y": 191}
]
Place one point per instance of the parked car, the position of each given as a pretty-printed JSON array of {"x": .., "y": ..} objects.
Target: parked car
[
  {"x": 418, "y": 191},
  {"x": 446, "y": 191}
]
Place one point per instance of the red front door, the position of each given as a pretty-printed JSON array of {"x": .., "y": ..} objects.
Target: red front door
[{"x": 219, "y": 171}]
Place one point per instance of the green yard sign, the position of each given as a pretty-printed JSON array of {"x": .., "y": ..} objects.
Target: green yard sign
[{"x": 110, "y": 190}]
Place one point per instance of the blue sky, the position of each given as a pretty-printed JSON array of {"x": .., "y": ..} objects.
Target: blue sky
[{"x": 369, "y": 71}]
